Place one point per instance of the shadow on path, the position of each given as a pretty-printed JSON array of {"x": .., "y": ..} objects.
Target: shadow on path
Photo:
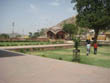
[{"x": 4, "y": 53}]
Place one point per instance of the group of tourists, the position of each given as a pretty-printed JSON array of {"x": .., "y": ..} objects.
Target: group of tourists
[{"x": 88, "y": 46}]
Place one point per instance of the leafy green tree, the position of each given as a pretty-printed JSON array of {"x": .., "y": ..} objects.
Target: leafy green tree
[
  {"x": 76, "y": 42},
  {"x": 4, "y": 35},
  {"x": 70, "y": 29},
  {"x": 30, "y": 34},
  {"x": 94, "y": 14},
  {"x": 42, "y": 31},
  {"x": 36, "y": 34},
  {"x": 17, "y": 36}
]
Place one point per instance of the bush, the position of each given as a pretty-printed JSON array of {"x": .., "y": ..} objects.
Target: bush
[
  {"x": 43, "y": 56},
  {"x": 22, "y": 50},
  {"x": 27, "y": 49},
  {"x": 60, "y": 58}
]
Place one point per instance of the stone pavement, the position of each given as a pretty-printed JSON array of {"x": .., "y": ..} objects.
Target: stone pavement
[{"x": 35, "y": 69}]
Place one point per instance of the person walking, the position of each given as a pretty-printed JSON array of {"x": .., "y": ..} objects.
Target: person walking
[
  {"x": 88, "y": 45},
  {"x": 95, "y": 48}
]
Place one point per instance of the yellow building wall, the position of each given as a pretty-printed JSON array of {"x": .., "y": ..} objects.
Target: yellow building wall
[{"x": 100, "y": 37}]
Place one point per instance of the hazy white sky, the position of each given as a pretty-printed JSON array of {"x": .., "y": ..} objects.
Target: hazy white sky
[{"x": 32, "y": 15}]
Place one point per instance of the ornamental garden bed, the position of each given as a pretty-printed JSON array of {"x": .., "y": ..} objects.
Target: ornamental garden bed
[{"x": 22, "y": 43}]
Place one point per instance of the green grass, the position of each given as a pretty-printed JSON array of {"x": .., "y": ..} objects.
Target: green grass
[
  {"x": 27, "y": 43},
  {"x": 101, "y": 59}
]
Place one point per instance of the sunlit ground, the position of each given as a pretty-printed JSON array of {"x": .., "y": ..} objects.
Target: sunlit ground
[{"x": 101, "y": 59}]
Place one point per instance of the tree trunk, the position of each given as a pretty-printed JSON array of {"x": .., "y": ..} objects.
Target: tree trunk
[
  {"x": 96, "y": 34},
  {"x": 70, "y": 37}
]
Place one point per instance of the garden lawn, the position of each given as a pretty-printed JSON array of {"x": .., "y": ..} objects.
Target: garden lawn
[{"x": 101, "y": 59}]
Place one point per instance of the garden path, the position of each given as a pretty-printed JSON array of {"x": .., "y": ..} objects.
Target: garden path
[{"x": 22, "y": 68}]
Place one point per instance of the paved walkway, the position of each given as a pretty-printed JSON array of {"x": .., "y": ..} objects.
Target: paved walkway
[
  {"x": 35, "y": 46},
  {"x": 35, "y": 69}
]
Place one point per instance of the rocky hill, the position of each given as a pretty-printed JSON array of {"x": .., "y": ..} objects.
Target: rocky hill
[
  {"x": 70, "y": 20},
  {"x": 59, "y": 26}
]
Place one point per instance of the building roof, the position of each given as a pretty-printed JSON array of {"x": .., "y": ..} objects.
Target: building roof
[{"x": 55, "y": 29}]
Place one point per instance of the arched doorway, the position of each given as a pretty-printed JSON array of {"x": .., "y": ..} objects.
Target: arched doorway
[
  {"x": 60, "y": 35},
  {"x": 50, "y": 35}
]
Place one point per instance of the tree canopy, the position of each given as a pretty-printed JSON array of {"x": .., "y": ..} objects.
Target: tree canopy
[
  {"x": 93, "y": 14},
  {"x": 70, "y": 29},
  {"x": 30, "y": 34},
  {"x": 4, "y": 35},
  {"x": 37, "y": 33}
]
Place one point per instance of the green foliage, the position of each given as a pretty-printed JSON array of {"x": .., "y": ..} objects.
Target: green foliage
[
  {"x": 76, "y": 51},
  {"x": 36, "y": 34},
  {"x": 94, "y": 14},
  {"x": 60, "y": 58},
  {"x": 57, "y": 42},
  {"x": 22, "y": 43},
  {"x": 22, "y": 50},
  {"x": 42, "y": 31},
  {"x": 76, "y": 42},
  {"x": 43, "y": 55},
  {"x": 101, "y": 59},
  {"x": 18, "y": 36},
  {"x": 30, "y": 34},
  {"x": 4, "y": 35},
  {"x": 82, "y": 31},
  {"x": 70, "y": 29}
]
